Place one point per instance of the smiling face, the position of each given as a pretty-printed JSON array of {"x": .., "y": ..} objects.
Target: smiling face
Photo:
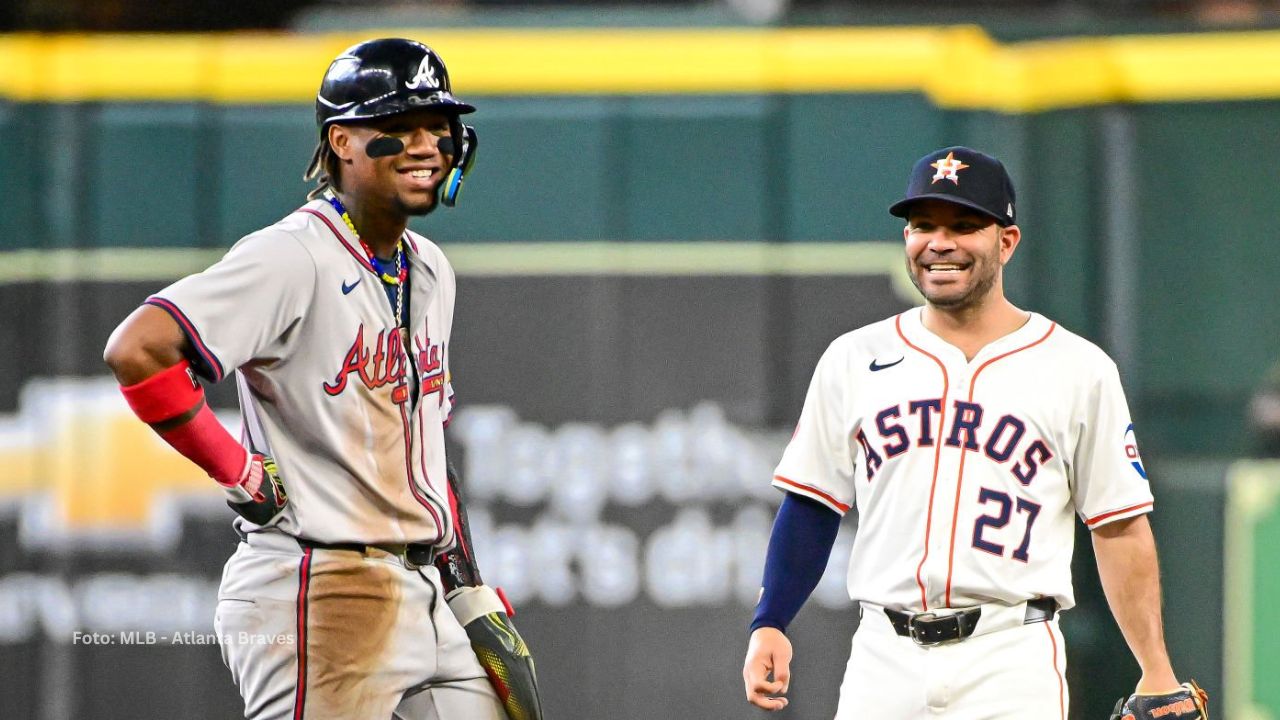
[
  {"x": 404, "y": 184},
  {"x": 955, "y": 255}
]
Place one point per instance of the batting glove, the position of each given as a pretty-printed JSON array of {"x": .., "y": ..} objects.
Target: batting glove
[
  {"x": 258, "y": 496},
  {"x": 499, "y": 648}
]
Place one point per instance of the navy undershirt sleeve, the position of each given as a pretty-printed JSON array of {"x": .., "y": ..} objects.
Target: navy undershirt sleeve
[{"x": 803, "y": 535}]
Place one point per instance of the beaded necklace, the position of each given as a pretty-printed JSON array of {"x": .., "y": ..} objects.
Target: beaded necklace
[{"x": 401, "y": 268}]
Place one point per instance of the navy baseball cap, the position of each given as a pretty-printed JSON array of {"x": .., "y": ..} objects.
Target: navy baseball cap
[{"x": 963, "y": 176}]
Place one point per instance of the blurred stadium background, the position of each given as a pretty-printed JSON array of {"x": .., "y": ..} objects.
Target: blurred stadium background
[{"x": 676, "y": 207}]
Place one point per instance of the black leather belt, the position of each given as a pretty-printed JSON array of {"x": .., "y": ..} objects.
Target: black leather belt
[
  {"x": 413, "y": 554},
  {"x": 930, "y": 628}
]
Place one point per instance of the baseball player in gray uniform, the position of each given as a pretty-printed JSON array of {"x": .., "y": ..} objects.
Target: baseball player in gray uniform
[
  {"x": 969, "y": 435},
  {"x": 354, "y": 592}
]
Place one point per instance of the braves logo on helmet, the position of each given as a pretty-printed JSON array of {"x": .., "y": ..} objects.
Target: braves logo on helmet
[{"x": 425, "y": 77}]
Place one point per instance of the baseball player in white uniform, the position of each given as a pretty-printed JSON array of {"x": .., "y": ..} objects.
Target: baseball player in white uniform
[
  {"x": 968, "y": 434},
  {"x": 336, "y": 321}
]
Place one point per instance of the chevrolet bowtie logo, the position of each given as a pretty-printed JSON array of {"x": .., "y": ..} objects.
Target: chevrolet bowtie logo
[{"x": 82, "y": 468}]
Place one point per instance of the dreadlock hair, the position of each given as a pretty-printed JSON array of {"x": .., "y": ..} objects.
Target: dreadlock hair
[{"x": 323, "y": 169}]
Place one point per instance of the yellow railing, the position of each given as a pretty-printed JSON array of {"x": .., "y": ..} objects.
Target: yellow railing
[{"x": 956, "y": 67}]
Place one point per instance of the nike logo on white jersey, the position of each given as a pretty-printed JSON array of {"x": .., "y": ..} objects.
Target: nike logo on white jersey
[{"x": 875, "y": 367}]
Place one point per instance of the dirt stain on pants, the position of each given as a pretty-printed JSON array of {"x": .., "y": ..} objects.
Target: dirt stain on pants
[{"x": 352, "y": 607}]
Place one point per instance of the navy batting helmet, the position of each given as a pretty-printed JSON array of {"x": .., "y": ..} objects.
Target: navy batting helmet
[{"x": 383, "y": 77}]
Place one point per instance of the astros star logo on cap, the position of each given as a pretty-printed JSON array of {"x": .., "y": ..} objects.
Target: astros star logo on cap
[{"x": 948, "y": 169}]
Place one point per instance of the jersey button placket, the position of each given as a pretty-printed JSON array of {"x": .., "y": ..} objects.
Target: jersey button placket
[{"x": 949, "y": 469}]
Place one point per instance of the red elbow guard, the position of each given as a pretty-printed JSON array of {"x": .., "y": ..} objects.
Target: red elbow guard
[
  {"x": 174, "y": 392},
  {"x": 165, "y": 395}
]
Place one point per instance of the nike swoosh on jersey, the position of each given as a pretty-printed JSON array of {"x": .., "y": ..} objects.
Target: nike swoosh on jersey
[
  {"x": 875, "y": 367},
  {"x": 346, "y": 289}
]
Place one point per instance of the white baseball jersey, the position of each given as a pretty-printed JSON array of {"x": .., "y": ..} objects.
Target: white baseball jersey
[
  {"x": 965, "y": 474},
  {"x": 326, "y": 385}
]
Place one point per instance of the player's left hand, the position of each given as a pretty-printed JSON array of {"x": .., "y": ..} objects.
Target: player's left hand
[
  {"x": 1187, "y": 702},
  {"x": 768, "y": 652},
  {"x": 501, "y": 651}
]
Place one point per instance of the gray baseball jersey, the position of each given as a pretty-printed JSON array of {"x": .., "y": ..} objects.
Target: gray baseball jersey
[
  {"x": 966, "y": 473},
  {"x": 353, "y": 414}
]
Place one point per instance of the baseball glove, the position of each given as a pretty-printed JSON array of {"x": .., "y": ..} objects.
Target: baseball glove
[
  {"x": 267, "y": 500},
  {"x": 1188, "y": 701},
  {"x": 487, "y": 619}
]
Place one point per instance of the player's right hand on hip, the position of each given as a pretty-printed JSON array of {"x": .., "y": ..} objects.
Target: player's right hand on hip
[
  {"x": 258, "y": 496},
  {"x": 768, "y": 653}
]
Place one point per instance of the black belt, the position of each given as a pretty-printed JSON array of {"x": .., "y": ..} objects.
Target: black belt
[
  {"x": 931, "y": 629},
  {"x": 415, "y": 554}
]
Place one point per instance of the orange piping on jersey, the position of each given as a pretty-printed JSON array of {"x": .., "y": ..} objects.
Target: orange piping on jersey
[
  {"x": 937, "y": 454},
  {"x": 955, "y": 513},
  {"x": 1053, "y": 643},
  {"x": 1099, "y": 518},
  {"x": 825, "y": 497}
]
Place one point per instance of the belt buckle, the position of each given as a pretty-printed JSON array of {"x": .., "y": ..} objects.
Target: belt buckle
[
  {"x": 424, "y": 553},
  {"x": 404, "y": 559},
  {"x": 917, "y": 632}
]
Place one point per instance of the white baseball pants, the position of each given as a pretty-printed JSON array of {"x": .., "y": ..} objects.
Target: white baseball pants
[
  {"x": 325, "y": 634},
  {"x": 1016, "y": 673}
]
